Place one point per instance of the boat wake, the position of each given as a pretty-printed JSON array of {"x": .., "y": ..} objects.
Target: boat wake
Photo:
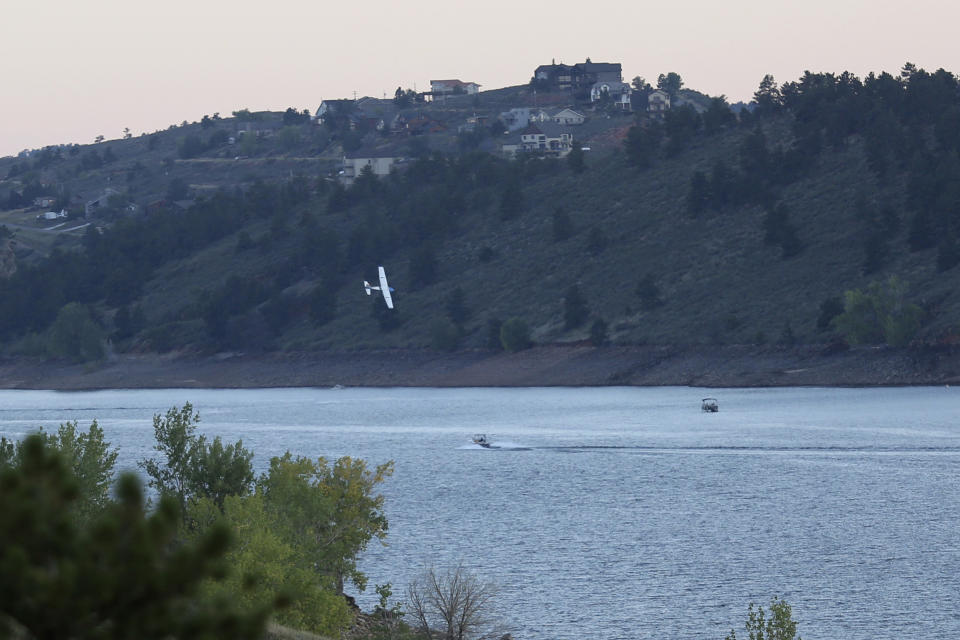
[{"x": 496, "y": 446}]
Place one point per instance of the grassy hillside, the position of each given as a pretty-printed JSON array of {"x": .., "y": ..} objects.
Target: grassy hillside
[{"x": 718, "y": 280}]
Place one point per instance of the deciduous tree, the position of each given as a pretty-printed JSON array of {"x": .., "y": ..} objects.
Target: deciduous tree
[
  {"x": 453, "y": 605},
  {"x": 330, "y": 511},
  {"x": 75, "y": 335},
  {"x": 515, "y": 335},
  {"x": 879, "y": 314},
  {"x": 263, "y": 556},
  {"x": 189, "y": 468},
  {"x": 780, "y": 624}
]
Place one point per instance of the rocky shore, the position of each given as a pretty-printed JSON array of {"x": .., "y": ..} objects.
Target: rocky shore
[{"x": 559, "y": 365}]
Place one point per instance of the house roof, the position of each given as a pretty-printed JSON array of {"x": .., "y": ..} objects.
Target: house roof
[
  {"x": 455, "y": 83},
  {"x": 613, "y": 85},
  {"x": 549, "y": 129},
  {"x": 553, "y": 130},
  {"x": 552, "y": 68},
  {"x": 598, "y": 67},
  {"x": 337, "y": 102}
]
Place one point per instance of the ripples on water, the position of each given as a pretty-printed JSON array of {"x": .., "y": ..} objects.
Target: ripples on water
[{"x": 624, "y": 512}]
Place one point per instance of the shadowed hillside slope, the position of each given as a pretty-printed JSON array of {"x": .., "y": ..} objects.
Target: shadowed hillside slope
[{"x": 699, "y": 229}]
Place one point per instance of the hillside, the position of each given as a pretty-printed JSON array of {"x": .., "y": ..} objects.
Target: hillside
[{"x": 266, "y": 252}]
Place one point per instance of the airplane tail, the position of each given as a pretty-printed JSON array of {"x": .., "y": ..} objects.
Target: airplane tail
[{"x": 366, "y": 287}]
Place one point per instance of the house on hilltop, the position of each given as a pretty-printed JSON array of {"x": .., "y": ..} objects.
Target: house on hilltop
[
  {"x": 658, "y": 102},
  {"x": 337, "y": 107},
  {"x": 556, "y": 76},
  {"x": 618, "y": 93},
  {"x": 580, "y": 76},
  {"x": 441, "y": 89},
  {"x": 586, "y": 74}
]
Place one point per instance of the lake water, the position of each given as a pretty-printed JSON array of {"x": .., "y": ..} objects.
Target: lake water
[{"x": 623, "y": 512}]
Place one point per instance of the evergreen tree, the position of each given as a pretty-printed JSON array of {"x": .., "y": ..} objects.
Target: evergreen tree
[
  {"x": 456, "y": 307},
  {"x": 768, "y": 97},
  {"x": 494, "y": 325},
  {"x": 598, "y": 333},
  {"x": 575, "y": 310},
  {"x": 575, "y": 159},
  {"x": 119, "y": 575},
  {"x": 511, "y": 200},
  {"x": 562, "y": 225},
  {"x": 649, "y": 293},
  {"x": 698, "y": 197}
]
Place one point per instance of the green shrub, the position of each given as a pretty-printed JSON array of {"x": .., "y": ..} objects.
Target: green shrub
[
  {"x": 444, "y": 334},
  {"x": 74, "y": 335},
  {"x": 879, "y": 314},
  {"x": 515, "y": 335}
]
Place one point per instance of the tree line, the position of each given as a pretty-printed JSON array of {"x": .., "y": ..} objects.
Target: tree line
[{"x": 215, "y": 553}]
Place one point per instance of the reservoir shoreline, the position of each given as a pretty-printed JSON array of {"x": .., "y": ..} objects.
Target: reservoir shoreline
[{"x": 577, "y": 365}]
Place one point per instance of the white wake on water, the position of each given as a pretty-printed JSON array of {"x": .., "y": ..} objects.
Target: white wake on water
[{"x": 496, "y": 445}]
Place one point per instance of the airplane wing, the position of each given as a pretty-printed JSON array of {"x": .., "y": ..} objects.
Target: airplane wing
[{"x": 385, "y": 288}]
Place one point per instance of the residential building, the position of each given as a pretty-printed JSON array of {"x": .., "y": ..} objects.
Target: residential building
[
  {"x": 541, "y": 138},
  {"x": 519, "y": 117},
  {"x": 441, "y": 89},
  {"x": 588, "y": 73},
  {"x": 99, "y": 202},
  {"x": 381, "y": 161},
  {"x": 334, "y": 107},
  {"x": 557, "y": 76},
  {"x": 474, "y": 123},
  {"x": 658, "y": 102},
  {"x": 618, "y": 93},
  {"x": 568, "y": 117},
  {"x": 516, "y": 118},
  {"x": 580, "y": 76},
  {"x": 44, "y": 202}
]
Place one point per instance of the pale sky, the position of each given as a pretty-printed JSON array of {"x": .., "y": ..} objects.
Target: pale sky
[{"x": 71, "y": 70}]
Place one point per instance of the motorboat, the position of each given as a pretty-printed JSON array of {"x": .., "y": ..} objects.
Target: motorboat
[
  {"x": 481, "y": 439},
  {"x": 709, "y": 405}
]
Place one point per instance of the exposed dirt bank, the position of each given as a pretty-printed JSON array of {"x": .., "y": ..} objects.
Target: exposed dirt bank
[{"x": 575, "y": 365}]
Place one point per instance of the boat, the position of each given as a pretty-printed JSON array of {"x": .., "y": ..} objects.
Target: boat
[
  {"x": 710, "y": 405},
  {"x": 481, "y": 439}
]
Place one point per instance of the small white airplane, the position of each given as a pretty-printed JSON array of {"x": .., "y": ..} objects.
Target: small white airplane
[{"x": 384, "y": 288}]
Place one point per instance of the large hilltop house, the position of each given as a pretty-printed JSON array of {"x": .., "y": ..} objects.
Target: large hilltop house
[
  {"x": 440, "y": 89},
  {"x": 580, "y": 76}
]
